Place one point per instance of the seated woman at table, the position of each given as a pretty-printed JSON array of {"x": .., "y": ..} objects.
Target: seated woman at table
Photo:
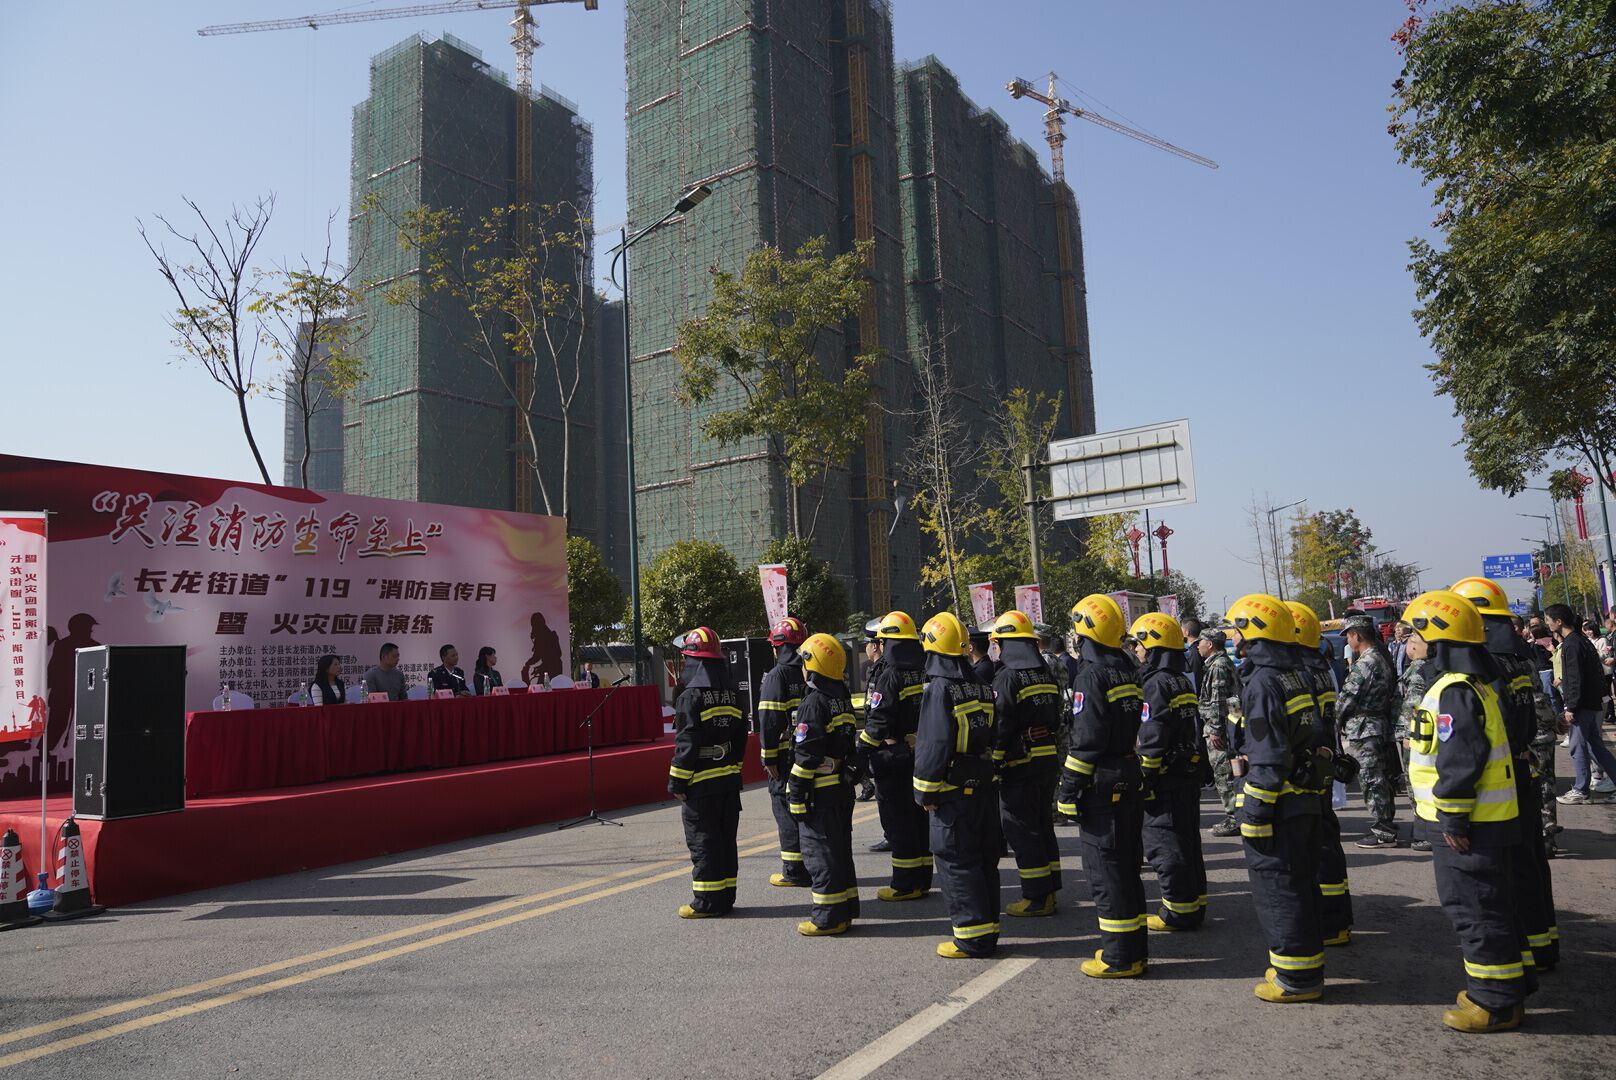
[
  {"x": 328, "y": 687},
  {"x": 484, "y": 677},
  {"x": 447, "y": 676}
]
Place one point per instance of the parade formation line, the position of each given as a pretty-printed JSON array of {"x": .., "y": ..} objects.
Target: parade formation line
[{"x": 643, "y": 876}]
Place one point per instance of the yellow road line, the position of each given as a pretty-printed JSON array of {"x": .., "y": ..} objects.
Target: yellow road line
[{"x": 152, "y": 1019}]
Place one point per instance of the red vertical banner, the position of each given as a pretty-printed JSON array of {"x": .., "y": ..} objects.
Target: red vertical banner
[{"x": 22, "y": 626}]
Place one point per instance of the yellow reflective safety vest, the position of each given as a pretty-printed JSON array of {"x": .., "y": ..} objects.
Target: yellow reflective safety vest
[{"x": 1494, "y": 799}]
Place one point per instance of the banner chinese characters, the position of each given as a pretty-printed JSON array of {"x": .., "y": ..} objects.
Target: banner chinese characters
[
  {"x": 1030, "y": 602},
  {"x": 1168, "y": 605},
  {"x": 22, "y": 626},
  {"x": 257, "y": 582},
  {"x": 773, "y": 578},
  {"x": 982, "y": 609}
]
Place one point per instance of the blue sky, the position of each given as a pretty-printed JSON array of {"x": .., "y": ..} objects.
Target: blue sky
[{"x": 1268, "y": 301}]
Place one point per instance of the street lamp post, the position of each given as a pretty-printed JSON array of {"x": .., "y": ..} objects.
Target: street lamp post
[
  {"x": 1273, "y": 539},
  {"x": 1565, "y": 572},
  {"x": 690, "y": 200}
]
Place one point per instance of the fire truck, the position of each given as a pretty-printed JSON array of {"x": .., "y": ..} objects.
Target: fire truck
[{"x": 1383, "y": 609}]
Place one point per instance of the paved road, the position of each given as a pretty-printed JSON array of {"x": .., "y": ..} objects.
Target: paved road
[{"x": 540, "y": 954}]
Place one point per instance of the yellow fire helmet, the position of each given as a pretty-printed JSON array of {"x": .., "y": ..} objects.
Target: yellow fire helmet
[
  {"x": 1307, "y": 624},
  {"x": 1098, "y": 618},
  {"x": 1441, "y": 615},
  {"x": 944, "y": 634},
  {"x": 1012, "y": 624},
  {"x": 1154, "y": 630},
  {"x": 1485, "y": 594},
  {"x": 897, "y": 626},
  {"x": 824, "y": 655},
  {"x": 1260, "y": 617}
]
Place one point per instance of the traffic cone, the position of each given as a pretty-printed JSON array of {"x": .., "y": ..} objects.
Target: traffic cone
[
  {"x": 72, "y": 878},
  {"x": 13, "y": 885}
]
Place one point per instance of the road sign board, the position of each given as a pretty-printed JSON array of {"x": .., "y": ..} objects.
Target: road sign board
[
  {"x": 1518, "y": 607},
  {"x": 1121, "y": 470},
  {"x": 1507, "y": 566}
]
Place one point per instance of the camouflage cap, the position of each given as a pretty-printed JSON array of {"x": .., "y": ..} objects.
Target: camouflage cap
[
  {"x": 1362, "y": 623},
  {"x": 1215, "y": 636}
]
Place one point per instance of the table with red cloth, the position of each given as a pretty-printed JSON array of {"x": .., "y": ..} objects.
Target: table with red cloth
[{"x": 252, "y": 749}]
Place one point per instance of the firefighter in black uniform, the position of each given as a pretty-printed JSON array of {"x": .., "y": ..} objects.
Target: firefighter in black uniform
[
  {"x": 822, "y": 788},
  {"x": 709, "y": 744},
  {"x": 954, "y": 781},
  {"x": 887, "y": 743},
  {"x": 1279, "y": 800},
  {"x": 1170, "y": 761},
  {"x": 779, "y": 697},
  {"x": 1519, "y": 693},
  {"x": 1100, "y": 786},
  {"x": 1028, "y": 713},
  {"x": 1461, "y": 776},
  {"x": 1335, "y": 896}
]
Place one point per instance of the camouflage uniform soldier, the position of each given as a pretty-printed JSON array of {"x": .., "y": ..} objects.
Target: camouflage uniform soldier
[
  {"x": 1366, "y": 712},
  {"x": 1415, "y": 682},
  {"x": 1219, "y": 684},
  {"x": 1549, "y": 730}
]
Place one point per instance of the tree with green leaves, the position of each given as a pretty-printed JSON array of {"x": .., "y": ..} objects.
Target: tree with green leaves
[
  {"x": 697, "y": 583},
  {"x": 216, "y": 283},
  {"x": 1330, "y": 551},
  {"x": 522, "y": 275},
  {"x": 310, "y": 323},
  {"x": 759, "y": 353},
  {"x": 594, "y": 596},
  {"x": 1507, "y": 108},
  {"x": 817, "y": 596}
]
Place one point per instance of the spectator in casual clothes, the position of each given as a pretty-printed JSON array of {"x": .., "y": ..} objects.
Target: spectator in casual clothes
[
  {"x": 385, "y": 678},
  {"x": 1582, "y": 689}
]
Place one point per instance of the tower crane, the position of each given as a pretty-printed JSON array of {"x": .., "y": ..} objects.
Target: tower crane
[
  {"x": 524, "y": 41},
  {"x": 1055, "y": 127},
  {"x": 1058, "y": 109}
]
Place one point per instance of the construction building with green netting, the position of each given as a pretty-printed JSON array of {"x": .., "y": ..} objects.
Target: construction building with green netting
[
  {"x": 432, "y": 422},
  {"x": 797, "y": 117},
  {"x": 983, "y": 244},
  {"x": 786, "y": 109}
]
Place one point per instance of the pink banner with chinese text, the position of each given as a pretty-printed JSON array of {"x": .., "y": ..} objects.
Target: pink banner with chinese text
[
  {"x": 258, "y": 581},
  {"x": 22, "y": 625}
]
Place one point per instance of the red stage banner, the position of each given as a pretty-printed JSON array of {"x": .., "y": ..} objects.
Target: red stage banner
[{"x": 257, "y": 581}]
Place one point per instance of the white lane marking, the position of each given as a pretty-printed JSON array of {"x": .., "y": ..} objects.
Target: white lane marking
[{"x": 862, "y": 1063}]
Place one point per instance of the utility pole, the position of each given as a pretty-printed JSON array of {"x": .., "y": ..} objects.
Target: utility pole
[
  {"x": 1273, "y": 535},
  {"x": 1610, "y": 556},
  {"x": 1150, "y": 552},
  {"x": 1028, "y": 465}
]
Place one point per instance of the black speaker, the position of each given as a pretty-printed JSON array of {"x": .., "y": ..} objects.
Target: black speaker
[
  {"x": 129, "y": 731},
  {"x": 749, "y": 660}
]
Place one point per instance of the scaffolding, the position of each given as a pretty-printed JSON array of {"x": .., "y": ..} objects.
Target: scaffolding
[
  {"x": 432, "y": 422},
  {"x": 985, "y": 234},
  {"x": 758, "y": 99}
]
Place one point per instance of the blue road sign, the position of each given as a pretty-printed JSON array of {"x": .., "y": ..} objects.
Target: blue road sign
[
  {"x": 1508, "y": 566},
  {"x": 1518, "y": 607}
]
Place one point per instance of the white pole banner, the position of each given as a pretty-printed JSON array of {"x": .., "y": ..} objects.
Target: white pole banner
[
  {"x": 1168, "y": 605},
  {"x": 982, "y": 602},
  {"x": 1030, "y": 602},
  {"x": 775, "y": 596}
]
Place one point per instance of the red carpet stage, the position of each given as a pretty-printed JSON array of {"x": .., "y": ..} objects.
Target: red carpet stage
[{"x": 220, "y": 840}]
